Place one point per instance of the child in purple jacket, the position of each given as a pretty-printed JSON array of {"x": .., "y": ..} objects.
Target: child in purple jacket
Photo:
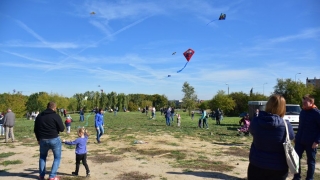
[{"x": 81, "y": 150}]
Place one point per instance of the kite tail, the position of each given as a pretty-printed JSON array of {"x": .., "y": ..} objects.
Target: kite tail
[
  {"x": 87, "y": 120},
  {"x": 183, "y": 67},
  {"x": 211, "y": 22}
]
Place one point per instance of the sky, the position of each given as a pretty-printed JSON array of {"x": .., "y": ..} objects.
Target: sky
[{"x": 127, "y": 46}]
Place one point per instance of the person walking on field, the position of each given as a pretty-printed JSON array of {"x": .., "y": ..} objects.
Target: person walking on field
[
  {"x": 8, "y": 124},
  {"x": 172, "y": 114},
  {"x": 47, "y": 127},
  {"x": 308, "y": 135},
  {"x": 99, "y": 123},
  {"x": 204, "y": 119},
  {"x": 218, "y": 115},
  {"x": 81, "y": 115},
  {"x": 168, "y": 116},
  {"x": 81, "y": 150}
]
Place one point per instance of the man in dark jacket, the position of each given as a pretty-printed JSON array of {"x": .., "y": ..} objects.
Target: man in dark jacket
[
  {"x": 47, "y": 126},
  {"x": 308, "y": 135}
]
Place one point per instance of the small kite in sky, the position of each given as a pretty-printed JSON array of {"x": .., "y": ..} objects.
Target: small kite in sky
[
  {"x": 92, "y": 13},
  {"x": 174, "y": 53},
  {"x": 221, "y": 17},
  {"x": 188, "y": 55},
  {"x": 169, "y": 75}
]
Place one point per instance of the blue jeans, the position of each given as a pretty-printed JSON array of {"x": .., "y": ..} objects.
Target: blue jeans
[
  {"x": 168, "y": 121},
  {"x": 204, "y": 122},
  {"x": 45, "y": 145},
  {"x": 100, "y": 132},
  {"x": 311, "y": 159},
  {"x": 81, "y": 117},
  {"x": 172, "y": 115}
]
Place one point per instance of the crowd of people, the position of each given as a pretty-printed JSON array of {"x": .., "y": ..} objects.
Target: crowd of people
[{"x": 267, "y": 158}]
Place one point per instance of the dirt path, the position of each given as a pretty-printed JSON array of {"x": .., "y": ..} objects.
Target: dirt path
[{"x": 155, "y": 159}]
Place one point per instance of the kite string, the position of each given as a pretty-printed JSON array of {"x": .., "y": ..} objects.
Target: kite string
[
  {"x": 212, "y": 21},
  {"x": 183, "y": 67}
]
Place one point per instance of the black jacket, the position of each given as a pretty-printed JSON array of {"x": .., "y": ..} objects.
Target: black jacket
[{"x": 47, "y": 125}]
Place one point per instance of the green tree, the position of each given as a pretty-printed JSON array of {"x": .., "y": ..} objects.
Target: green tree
[
  {"x": 15, "y": 101},
  {"x": 132, "y": 107},
  {"x": 292, "y": 91},
  {"x": 257, "y": 97},
  {"x": 73, "y": 106},
  {"x": 113, "y": 99},
  {"x": 241, "y": 103},
  {"x": 204, "y": 105},
  {"x": 146, "y": 103},
  {"x": 189, "y": 99},
  {"x": 43, "y": 100},
  {"x": 32, "y": 103},
  {"x": 317, "y": 97},
  {"x": 159, "y": 101},
  {"x": 222, "y": 101},
  {"x": 79, "y": 100}
]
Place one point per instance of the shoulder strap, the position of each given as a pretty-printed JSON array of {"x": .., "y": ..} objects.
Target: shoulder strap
[{"x": 285, "y": 124}]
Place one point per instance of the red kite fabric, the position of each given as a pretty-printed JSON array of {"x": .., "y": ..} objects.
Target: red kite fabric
[{"x": 188, "y": 55}]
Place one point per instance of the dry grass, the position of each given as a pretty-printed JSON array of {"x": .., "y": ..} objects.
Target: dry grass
[
  {"x": 104, "y": 159},
  {"x": 236, "y": 151},
  {"x": 204, "y": 164},
  {"x": 134, "y": 175}
]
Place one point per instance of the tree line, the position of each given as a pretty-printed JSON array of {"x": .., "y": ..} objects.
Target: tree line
[
  {"x": 237, "y": 102},
  {"x": 232, "y": 104}
]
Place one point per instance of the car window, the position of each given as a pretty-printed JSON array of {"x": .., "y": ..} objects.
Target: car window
[{"x": 293, "y": 110}]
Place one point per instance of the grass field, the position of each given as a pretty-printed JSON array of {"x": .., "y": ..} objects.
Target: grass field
[{"x": 137, "y": 123}]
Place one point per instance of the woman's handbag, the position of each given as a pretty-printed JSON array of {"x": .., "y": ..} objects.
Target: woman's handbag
[{"x": 291, "y": 155}]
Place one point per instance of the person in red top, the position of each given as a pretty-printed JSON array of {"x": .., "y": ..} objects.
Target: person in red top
[
  {"x": 65, "y": 113},
  {"x": 68, "y": 124}
]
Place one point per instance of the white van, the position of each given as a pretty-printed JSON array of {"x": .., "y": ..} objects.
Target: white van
[
  {"x": 292, "y": 114},
  {"x": 292, "y": 111}
]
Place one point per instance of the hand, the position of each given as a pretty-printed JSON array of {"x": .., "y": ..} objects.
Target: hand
[
  {"x": 63, "y": 140},
  {"x": 314, "y": 145},
  {"x": 38, "y": 142},
  {"x": 97, "y": 128}
]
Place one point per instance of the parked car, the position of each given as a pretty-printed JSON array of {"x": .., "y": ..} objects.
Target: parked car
[{"x": 292, "y": 114}]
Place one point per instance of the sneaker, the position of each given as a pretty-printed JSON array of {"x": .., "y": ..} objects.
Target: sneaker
[
  {"x": 41, "y": 178},
  {"x": 88, "y": 175},
  {"x": 55, "y": 178},
  {"x": 74, "y": 174}
]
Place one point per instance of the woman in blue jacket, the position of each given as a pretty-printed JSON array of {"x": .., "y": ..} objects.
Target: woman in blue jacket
[
  {"x": 98, "y": 124},
  {"x": 267, "y": 157}
]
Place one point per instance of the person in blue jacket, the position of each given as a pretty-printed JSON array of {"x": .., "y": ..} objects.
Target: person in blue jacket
[
  {"x": 308, "y": 135},
  {"x": 267, "y": 159},
  {"x": 99, "y": 123},
  {"x": 81, "y": 150}
]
